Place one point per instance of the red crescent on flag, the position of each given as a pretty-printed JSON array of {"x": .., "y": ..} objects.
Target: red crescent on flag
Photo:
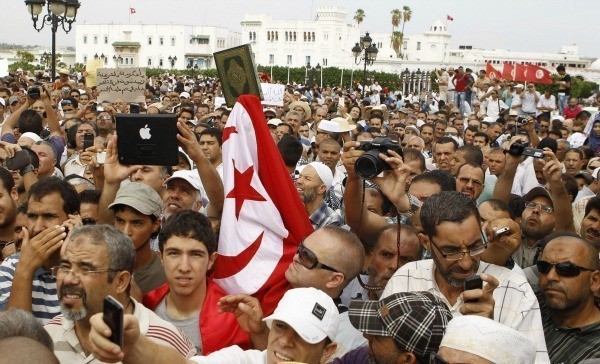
[
  {"x": 227, "y": 133},
  {"x": 226, "y": 266}
]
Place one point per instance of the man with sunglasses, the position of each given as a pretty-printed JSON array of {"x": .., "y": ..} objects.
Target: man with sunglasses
[
  {"x": 455, "y": 239},
  {"x": 569, "y": 274},
  {"x": 96, "y": 262}
]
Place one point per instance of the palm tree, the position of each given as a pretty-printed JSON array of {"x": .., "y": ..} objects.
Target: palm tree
[
  {"x": 397, "y": 38},
  {"x": 396, "y": 16},
  {"x": 406, "y": 16},
  {"x": 359, "y": 16}
]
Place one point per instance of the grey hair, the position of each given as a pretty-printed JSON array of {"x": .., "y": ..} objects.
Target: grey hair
[
  {"x": 16, "y": 322},
  {"x": 47, "y": 144},
  {"x": 119, "y": 247},
  {"x": 294, "y": 112}
]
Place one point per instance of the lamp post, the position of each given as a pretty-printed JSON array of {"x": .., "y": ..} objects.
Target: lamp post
[
  {"x": 193, "y": 69},
  {"x": 306, "y": 74},
  {"x": 60, "y": 13},
  {"x": 271, "y": 64},
  {"x": 118, "y": 60},
  {"x": 369, "y": 57},
  {"x": 319, "y": 70},
  {"x": 172, "y": 60},
  {"x": 288, "y": 64}
]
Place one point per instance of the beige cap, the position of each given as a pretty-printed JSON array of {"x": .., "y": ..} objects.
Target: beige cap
[{"x": 140, "y": 197}]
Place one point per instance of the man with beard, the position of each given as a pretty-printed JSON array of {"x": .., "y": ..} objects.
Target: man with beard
[
  {"x": 8, "y": 210},
  {"x": 52, "y": 211},
  {"x": 402, "y": 328},
  {"x": 569, "y": 274},
  {"x": 452, "y": 223},
  {"x": 98, "y": 261},
  {"x": 313, "y": 184},
  {"x": 470, "y": 180}
]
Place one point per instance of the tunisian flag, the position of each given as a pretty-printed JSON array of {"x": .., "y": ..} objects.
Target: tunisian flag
[
  {"x": 507, "y": 71},
  {"x": 491, "y": 72},
  {"x": 520, "y": 73},
  {"x": 537, "y": 74},
  {"x": 263, "y": 218}
]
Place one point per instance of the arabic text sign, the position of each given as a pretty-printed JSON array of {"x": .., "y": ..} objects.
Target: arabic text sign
[
  {"x": 273, "y": 94},
  {"x": 91, "y": 68},
  {"x": 127, "y": 84}
]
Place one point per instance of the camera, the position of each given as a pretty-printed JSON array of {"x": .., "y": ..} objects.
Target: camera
[
  {"x": 369, "y": 165},
  {"x": 34, "y": 93},
  {"x": 522, "y": 120},
  {"x": 519, "y": 149}
]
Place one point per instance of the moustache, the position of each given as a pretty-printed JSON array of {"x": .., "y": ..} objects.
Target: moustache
[
  {"x": 71, "y": 289},
  {"x": 554, "y": 286}
]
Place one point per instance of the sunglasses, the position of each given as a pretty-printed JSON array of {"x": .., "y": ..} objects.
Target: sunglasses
[
  {"x": 309, "y": 259},
  {"x": 534, "y": 205},
  {"x": 565, "y": 269}
]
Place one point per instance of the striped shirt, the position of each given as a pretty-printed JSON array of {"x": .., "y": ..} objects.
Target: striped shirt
[
  {"x": 516, "y": 304},
  {"x": 44, "y": 300},
  {"x": 68, "y": 349},
  {"x": 568, "y": 344}
]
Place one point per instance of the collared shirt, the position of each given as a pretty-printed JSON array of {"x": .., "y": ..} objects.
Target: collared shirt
[
  {"x": 68, "y": 349},
  {"x": 515, "y": 303},
  {"x": 325, "y": 216},
  {"x": 568, "y": 344},
  {"x": 44, "y": 303},
  {"x": 525, "y": 255}
]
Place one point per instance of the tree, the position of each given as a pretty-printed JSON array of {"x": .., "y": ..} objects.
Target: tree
[
  {"x": 25, "y": 56},
  {"x": 406, "y": 16},
  {"x": 359, "y": 16},
  {"x": 396, "y": 16},
  {"x": 397, "y": 38}
]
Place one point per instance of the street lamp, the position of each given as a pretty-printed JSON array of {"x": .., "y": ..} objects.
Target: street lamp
[
  {"x": 369, "y": 57},
  {"x": 320, "y": 70},
  {"x": 193, "y": 69},
  {"x": 118, "y": 60},
  {"x": 306, "y": 73},
  {"x": 172, "y": 60},
  {"x": 271, "y": 61},
  {"x": 59, "y": 13}
]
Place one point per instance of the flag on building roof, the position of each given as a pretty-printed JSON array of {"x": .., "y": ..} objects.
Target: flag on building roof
[
  {"x": 131, "y": 10},
  {"x": 448, "y": 17}
]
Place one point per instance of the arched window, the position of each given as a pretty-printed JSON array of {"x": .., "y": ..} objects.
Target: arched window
[
  {"x": 277, "y": 35},
  {"x": 294, "y": 36},
  {"x": 268, "y": 35},
  {"x": 313, "y": 36},
  {"x": 250, "y": 36},
  {"x": 286, "y": 36}
]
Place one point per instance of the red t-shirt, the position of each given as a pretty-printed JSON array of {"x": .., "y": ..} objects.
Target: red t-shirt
[
  {"x": 569, "y": 113},
  {"x": 461, "y": 82}
]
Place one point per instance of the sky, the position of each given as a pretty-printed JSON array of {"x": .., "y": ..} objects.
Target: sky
[{"x": 518, "y": 25}]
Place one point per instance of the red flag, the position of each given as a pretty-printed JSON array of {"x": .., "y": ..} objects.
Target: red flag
[
  {"x": 263, "y": 218},
  {"x": 448, "y": 17},
  {"x": 537, "y": 74},
  {"x": 491, "y": 72},
  {"x": 507, "y": 71},
  {"x": 519, "y": 73},
  {"x": 131, "y": 11}
]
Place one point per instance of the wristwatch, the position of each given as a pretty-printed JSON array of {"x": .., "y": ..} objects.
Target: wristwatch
[
  {"x": 26, "y": 170},
  {"x": 415, "y": 204}
]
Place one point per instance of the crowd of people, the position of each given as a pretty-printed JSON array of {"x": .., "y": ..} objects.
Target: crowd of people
[{"x": 461, "y": 226}]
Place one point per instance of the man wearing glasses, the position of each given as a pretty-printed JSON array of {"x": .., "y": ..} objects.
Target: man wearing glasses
[
  {"x": 98, "y": 261},
  {"x": 455, "y": 239},
  {"x": 569, "y": 276}
]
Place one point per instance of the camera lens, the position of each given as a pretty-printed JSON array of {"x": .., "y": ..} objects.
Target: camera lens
[{"x": 369, "y": 165}]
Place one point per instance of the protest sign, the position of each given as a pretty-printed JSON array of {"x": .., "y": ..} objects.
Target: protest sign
[
  {"x": 91, "y": 68},
  {"x": 127, "y": 84},
  {"x": 273, "y": 94},
  {"x": 3, "y": 67}
]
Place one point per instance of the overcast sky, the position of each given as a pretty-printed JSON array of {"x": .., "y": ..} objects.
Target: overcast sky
[{"x": 519, "y": 25}]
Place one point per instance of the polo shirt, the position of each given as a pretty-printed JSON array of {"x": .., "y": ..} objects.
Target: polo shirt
[
  {"x": 516, "y": 305},
  {"x": 44, "y": 303},
  {"x": 68, "y": 349},
  {"x": 568, "y": 344},
  {"x": 233, "y": 355}
]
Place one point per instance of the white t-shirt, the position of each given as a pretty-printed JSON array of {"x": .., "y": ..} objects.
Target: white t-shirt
[{"x": 233, "y": 355}]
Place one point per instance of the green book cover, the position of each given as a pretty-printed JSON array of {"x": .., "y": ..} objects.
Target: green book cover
[{"x": 237, "y": 72}]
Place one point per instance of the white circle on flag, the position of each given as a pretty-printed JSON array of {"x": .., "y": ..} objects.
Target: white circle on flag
[{"x": 539, "y": 74}]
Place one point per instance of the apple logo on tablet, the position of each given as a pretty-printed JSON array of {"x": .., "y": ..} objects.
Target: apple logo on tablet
[{"x": 145, "y": 132}]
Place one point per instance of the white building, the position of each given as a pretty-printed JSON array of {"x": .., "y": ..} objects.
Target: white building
[{"x": 152, "y": 46}]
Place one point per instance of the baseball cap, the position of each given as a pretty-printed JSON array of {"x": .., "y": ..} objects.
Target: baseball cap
[
  {"x": 538, "y": 192},
  {"x": 270, "y": 110},
  {"x": 190, "y": 177},
  {"x": 140, "y": 197},
  {"x": 310, "y": 312},
  {"x": 274, "y": 122},
  {"x": 595, "y": 173},
  {"x": 13, "y": 99},
  {"x": 415, "y": 320},
  {"x": 184, "y": 95}
]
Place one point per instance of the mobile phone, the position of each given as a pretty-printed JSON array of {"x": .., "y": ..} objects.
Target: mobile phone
[
  {"x": 19, "y": 161},
  {"x": 101, "y": 157},
  {"x": 94, "y": 107},
  {"x": 473, "y": 282},
  {"x": 113, "y": 317},
  {"x": 134, "y": 108},
  {"x": 342, "y": 101},
  {"x": 501, "y": 231},
  {"x": 88, "y": 140},
  {"x": 532, "y": 152}
]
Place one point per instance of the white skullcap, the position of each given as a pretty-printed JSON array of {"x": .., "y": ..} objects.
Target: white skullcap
[
  {"x": 33, "y": 136},
  {"x": 324, "y": 173},
  {"x": 488, "y": 339}
]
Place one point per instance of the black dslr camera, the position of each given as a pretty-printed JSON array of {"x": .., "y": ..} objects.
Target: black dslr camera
[
  {"x": 369, "y": 165},
  {"x": 522, "y": 120},
  {"x": 34, "y": 92},
  {"x": 519, "y": 149}
]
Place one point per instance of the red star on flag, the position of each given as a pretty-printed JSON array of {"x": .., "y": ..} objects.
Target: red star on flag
[{"x": 242, "y": 190}]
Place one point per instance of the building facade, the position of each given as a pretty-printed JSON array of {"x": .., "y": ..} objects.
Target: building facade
[{"x": 152, "y": 46}]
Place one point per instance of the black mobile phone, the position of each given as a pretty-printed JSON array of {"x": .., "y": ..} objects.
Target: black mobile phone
[
  {"x": 532, "y": 152},
  {"x": 88, "y": 140},
  {"x": 20, "y": 160},
  {"x": 134, "y": 108},
  {"x": 473, "y": 282},
  {"x": 113, "y": 317},
  {"x": 94, "y": 107}
]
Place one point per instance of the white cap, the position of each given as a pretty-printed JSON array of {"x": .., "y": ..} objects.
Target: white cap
[
  {"x": 310, "y": 312},
  {"x": 192, "y": 177},
  {"x": 413, "y": 128},
  {"x": 520, "y": 85},
  {"x": 488, "y": 339},
  {"x": 576, "y": 139},
  {"x": 489, "y": 119},
  {"x": 595, "y": 173},
  {"x": 185, "y": 95},
  {"x": 33, "y": 136},
  {"x": 270, "y": 110},
  {"x": 274, "y": 122},
  {"x": 323, "y": 171}
]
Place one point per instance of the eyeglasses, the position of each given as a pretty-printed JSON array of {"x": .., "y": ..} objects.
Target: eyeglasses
[
  {"x": 565, "y": 269},
  {"x": 60, "y": 271},
  {"x": 534, "y": 205},
  {"x": 466, "y": 181},
  {"x": 458, "y": 254},
  {"x": 434, "y": 358},
  {"x": 88, "y": 221},
  {"x": 309, "y": 259}
]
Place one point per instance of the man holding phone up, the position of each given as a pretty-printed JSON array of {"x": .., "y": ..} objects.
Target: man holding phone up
[{"x": 96, "y": 262}]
